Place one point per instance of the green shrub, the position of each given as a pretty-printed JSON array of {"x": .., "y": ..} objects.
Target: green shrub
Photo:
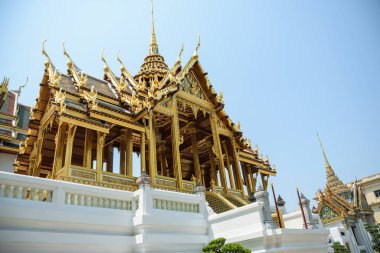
[
  {"x": 234, "y": 248},
  {"x": 339, "y": 248},
  {"x": 219, "y": 246}
]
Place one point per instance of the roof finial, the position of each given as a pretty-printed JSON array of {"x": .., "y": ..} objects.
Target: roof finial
[
  {"x": 22, "y": 86},
  {"x": 327, "y": 164},
  {"x": 104, "y": 60},
  {"x": 153, "y": 49},
  {"x": 48, "y": 61},
  {"x": 69, "y": 60},
  {"x": 198, "y": 45},
  {"x": 180, "y": 54}
]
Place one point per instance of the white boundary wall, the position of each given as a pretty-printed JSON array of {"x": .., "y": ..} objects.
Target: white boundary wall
[{"x": 42, "y": 215}]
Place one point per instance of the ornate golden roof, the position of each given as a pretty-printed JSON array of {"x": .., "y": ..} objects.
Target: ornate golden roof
[
  {"x": 338, "y": 201},
  {"x": 333, "y": 182},
  {"x": 154, "y": 67}
]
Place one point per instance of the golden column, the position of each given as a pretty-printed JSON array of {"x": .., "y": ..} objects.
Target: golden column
[
  {"x": 218, "y": 149},
  {"x": 214, "y": 177},
  {"x": 38, "y": 155},
  {"x": 129, "y": 153},
  {"x": 69, "y": 146},
  {"x": 175, "y": 145},
  {"x": 123, "y": 146},
  {"x": 246, "y": 179},
  {"x": 253, "y": 181},
  {"x": 264, "y": 179},
  {"x": 162, "y": 158},
  {"x": 235, "y": 157},
  {"x": 230, "y": 174},
  {"x": 58, "y": 152},
  {"x": 142, "y": 152},
  {"x": 87, "y": 156},
  {"x": 197, "y": 169},
  {"x": 99, "y": 154},
  {"x": 152, "y": 150},
  {"x": 109, "y": 157}
]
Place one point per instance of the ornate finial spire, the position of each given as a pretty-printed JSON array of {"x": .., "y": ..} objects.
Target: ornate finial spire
[
  {"x": 69, "y": 60},
  {"x": 333, "y": 182},
  {"x": 48, "y": 61},
  {"x": 22, "y": 86},
  {"x": 198, "y": 45},
  {"x": 153, "y": 49},
  {"x": 327, "y": 164},
  {"x": 180, "y": 54},
  {"x": 104, "y": 60}
]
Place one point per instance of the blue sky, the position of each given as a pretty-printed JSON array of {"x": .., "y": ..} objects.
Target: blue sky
[{"x": 288, "y": 69}]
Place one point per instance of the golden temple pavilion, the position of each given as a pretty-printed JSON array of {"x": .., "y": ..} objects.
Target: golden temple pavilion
[
  {"x": 339, "y": 202},
  {"x": 171, "y": 117}
]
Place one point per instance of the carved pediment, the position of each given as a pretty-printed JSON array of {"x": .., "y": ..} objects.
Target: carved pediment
[
  {"x": 190, "y": 85},
  {"x": 327, "y": 214}
]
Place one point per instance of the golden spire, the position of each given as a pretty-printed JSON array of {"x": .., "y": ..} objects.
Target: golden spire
[
  {"x": 333, "y": 182},
  {"x": 327, "y": 164},
  {"x": 69, "y": 60},
  {"x": 153, "y": 49},
  {"x": 198, "y": 45},
  {"x": 48, "y": 61},
  {"x": 180, "y": 54},
  {"x": 104, "y": 60}
]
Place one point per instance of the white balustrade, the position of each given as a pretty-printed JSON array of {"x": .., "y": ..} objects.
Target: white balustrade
[
  {"x": 170, "y": 205},
  {"x": 77, "y": 199},
  {"x": 13, "y": 190},
  {"x": 14, "y": 186}
]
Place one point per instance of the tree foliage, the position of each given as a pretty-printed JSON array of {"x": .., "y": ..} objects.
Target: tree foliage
[
  {"x": 339, "y": 248},
  {"x": 219, "y": 246},
  {"x": 374, "y": 231}
]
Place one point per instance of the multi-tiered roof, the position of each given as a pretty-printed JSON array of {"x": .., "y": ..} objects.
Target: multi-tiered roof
[{"x": 338, "y": 202}]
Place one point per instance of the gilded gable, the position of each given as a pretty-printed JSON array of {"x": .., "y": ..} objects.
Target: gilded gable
[{"x": 190, "y": 85}]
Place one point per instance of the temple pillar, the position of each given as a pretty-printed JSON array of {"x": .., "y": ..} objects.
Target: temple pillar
[
  {"x": 218, "y": 149},
  {"x": 175, "y": 145},
  {"x": 87, "y": 156},
  {"x": 236, "y": 163},
  {"x": 264, "y": 180},
  {"x": 250, "y": 178},
  {"x": 246, "y": 179},
  {"x": 142, "y": 152},
  {"x": 58, "y": 151},
  {"x": 69, "y": 146},
  {"x": 230, "y": 175},
  {"x": 99, "y": 154},
  {"x": 109, "y": 157},
  {"x": 152, "y": 150},
  {"x": 203, "y": 175},
  {"x": 214, "y": 177},
  {"x": 162, "y": 149},
  {"x": 129, "y": 153},
  {"x": 197, "y": 169},
  {"x": 123, "y": 146},
  {"x": 38, "y": 157}
]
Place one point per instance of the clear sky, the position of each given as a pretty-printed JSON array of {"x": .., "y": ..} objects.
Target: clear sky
[{"x": 288, "y": 69}]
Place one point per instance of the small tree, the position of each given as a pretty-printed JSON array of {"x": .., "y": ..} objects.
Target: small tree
[
  {"x": 339, "y": 248},
  {"x": 215, "y": 246},
  {"x": 234, "y": 248},
  {"x": 218, "y": 246},
  {"x": 374, "y": 231}
]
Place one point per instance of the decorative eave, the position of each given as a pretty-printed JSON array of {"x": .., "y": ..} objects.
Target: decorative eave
[{"x": 3, "y": 90}]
